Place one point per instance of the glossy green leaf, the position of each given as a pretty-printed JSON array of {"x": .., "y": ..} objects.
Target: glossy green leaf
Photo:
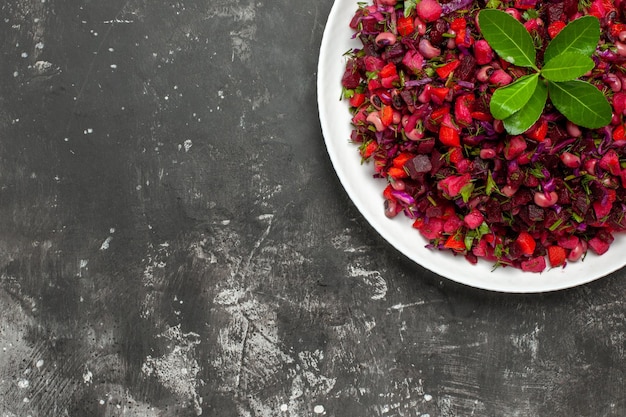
[
  {"x": 581, "y": 102},
  {"x": 522, "y": 120},
  {"x": 581, "y": 35},
  {"x": 567, "y": 67},
  {"x": 508, "y": 37},
  {"x": 509, "y": 99}
]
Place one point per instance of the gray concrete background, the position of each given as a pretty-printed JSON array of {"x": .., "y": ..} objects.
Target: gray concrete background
[{"x": 174, "y": 241}]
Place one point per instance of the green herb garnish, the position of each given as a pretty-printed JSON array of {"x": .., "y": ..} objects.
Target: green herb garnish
[
  {"x": 568, "y": 56},
  {"x": 409, "y": 6}
]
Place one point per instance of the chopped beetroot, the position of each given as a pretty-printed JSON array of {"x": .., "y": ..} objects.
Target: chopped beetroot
[
  {"x": 420, "y": 164},
  {"x": 473, "y": 219},
  {"x": 525, "y": 4},
  {"x": 463, "y": 109},
  {"x": 452, "y": 225},
  {"x": 351, "y": 77},
  {"x": 554, "y": 11},
  {"x": 536, "y": 264},
  {"x": 453, "y": 185},
  {"x": 437, "y": 31},
  {"x": 432, "y": 228},
  {"x": 426, "y": 146},
  {"x": 465, "y": 71},
  {"x": 483, "y": 52},
  {"x": 414, "y": 61},
  {"x": 598, "y": 245},
  {"x": 568, "y": 242},
  {"x": 429, "y": 10},
  {"x": 602, "y": 208},
  {"x": 420, "y": 90},
  {"x": 493, "y": 211},
  {"x": 515, "y": 147},
  {"x": 535, "y": 213},
  {"x": 610, "y": 162},
  {"x": 570, "y": 8},
  {"x": 581, "y": 205},
  {"x": 619, "y": 103}
]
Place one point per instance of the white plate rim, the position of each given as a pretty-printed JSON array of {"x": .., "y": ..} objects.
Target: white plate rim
[{"x": 365, "y": 191}]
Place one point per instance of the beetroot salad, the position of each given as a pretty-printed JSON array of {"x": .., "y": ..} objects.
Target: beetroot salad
[{"x": 420, "y": 90}]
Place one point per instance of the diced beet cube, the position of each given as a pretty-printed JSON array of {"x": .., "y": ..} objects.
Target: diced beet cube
[
  {"x": 610, "y": 162},
  {"x": 581, "y": 204},
  {"x": 471, "y": 258},
  {"x": 452, "y": 224},
  {"x": 605, "y": 236},
  {"x": 416, "y": 189},
  {"x": 619, "y": 102},
  {"x": 537, "y": 264},
  {"x": 465, "y": 71},
  {"x": 420, "y": 164},
  {"x": 437, "y": 30},
  {"x": 414, "y": 61},
  {"x": 351, "y": 77},
  {"x": 394, "y": 53},
  {"x": 426, "y": 146},
  {"x": 453, "y": 184},
  {"x": 432, "y": 228},
  {"x": 554, "y": 12},
  {"x": 480, "y": 249},
  {"x": 564, "y": 195},
  {"x": 493, "y": 210},
  {"x": 598, "y": 245},
  {"x": 373, "y": 63},
  {"x": 435, "y": 211},
  {"x": 429, "y": 10},
  {"x": 521, "y": 198},
  {"x": 535, "y": 213},
  {"x": 525, "y": 4},
  {"x": 568, "y": 242},
  {"x": 473, "y": 219},
  {"x": 602, "y": 208},
  {"x": 515, "y": 147},
  {"x": 570, "y": 7},
  {"x": 436, "y": 160}
]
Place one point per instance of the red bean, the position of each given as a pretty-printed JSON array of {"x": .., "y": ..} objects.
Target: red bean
[
  {"x": 420, "y": 26},
  {"x": 385, "y": 39},
  {"x": 374, "y": 118},
  {"x": 613, "y": 82},
  {"x": 579, "y": 250},
  {"x": 514, "y": 12},
  {"x": 570, "y": 160},
  {"x": 484, "y": 73},
  {"x": 546, "y": 199},
  {"x": 427, "y": 49},
  {"x": 573, "y": 130},
  {"x": 398, "y": 185}
]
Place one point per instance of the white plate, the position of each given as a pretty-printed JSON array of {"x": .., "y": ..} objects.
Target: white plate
[{"x": 366, "y": 192}]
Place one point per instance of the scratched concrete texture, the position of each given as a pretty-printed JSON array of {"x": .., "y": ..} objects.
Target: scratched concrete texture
[{"x": 174, "y": 241}]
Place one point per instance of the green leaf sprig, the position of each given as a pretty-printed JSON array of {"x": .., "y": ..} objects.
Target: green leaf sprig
[
  {"x": 409, "y": 6},
  {"x": 568, "y": 56}
]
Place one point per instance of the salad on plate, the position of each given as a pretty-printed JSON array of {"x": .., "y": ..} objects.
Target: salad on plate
[{"x": 499, "y": 127}]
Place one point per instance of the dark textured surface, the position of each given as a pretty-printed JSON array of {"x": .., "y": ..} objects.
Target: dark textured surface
[{"x": 174, "y": 241}]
